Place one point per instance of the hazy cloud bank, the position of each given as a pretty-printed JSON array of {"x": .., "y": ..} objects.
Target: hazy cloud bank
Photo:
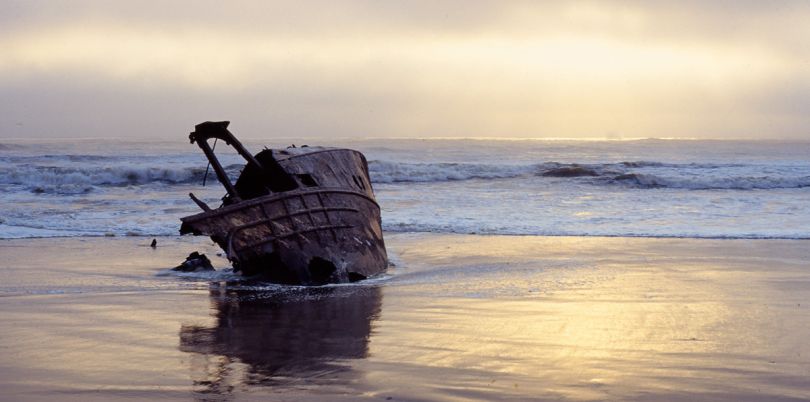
[{"x": 369, "y": 68}]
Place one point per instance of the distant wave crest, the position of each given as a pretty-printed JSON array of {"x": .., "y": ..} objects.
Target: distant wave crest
[
  {"x": 640, "y": 180},
  {"x": 400, "y": 172},
  {"x": 404, "y": 172},
  {"x": 632, "y": 174},
  {"x": 636, "y": 174},
  {"x": 7, "y": 147}
]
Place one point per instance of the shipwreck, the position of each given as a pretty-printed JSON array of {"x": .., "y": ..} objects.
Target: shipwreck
[{"x": 304, "y": 216}]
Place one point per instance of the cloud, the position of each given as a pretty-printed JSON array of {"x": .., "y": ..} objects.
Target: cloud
[{"x": 726, "y": 69}]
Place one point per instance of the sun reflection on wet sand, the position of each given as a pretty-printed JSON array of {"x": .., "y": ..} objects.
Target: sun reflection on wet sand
[
  {"x": 598, "y": 318},
  {"x": 459, "y": 318}
]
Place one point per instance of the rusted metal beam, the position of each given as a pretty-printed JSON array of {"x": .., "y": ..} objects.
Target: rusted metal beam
[
  {"x": 219, "y": 129},
  {"x": 219, "y": 170}
]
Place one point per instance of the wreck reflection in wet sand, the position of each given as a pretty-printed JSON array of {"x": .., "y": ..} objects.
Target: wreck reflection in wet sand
[
  {"x": 298, "y": 337},
  {"x": 297, "y": 216}
]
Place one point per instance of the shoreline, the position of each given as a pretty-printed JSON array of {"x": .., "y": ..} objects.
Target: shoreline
[
  {"x": 468, "y": 317},
  {"x": 428, "y": 233}
]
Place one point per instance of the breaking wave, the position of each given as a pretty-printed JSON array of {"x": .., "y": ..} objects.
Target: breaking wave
[
  {"x": 633, "y": 174},
  {"x": 403, "y": 172},
  {"x": 647, "y": 181},
  {"x": 79, "y": 180},
  {"x": 638, "y": 174}
]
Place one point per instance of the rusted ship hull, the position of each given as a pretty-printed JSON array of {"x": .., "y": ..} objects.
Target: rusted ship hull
[
  {"x": 308, "y": 236},
  {"x": 304, "y": 216}
]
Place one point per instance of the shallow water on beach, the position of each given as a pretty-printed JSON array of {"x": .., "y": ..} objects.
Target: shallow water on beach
[{"x": 458, "y": 318}]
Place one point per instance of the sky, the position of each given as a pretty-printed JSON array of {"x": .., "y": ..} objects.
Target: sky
[{"x": 365, "y": 68}]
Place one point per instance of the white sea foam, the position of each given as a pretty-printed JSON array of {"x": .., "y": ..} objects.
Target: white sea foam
[
  {"x": 763, "y": 182},
  {"x": 81, "y": 179},
  {"x": 225, "y": 274}
]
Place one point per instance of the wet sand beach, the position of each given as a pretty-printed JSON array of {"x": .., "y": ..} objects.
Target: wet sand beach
[{"x": 460, "y": 317}]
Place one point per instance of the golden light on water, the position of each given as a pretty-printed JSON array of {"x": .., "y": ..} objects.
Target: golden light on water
[
  {"x": 463, "y": 317},
  {"x": 628, "y": 318}
]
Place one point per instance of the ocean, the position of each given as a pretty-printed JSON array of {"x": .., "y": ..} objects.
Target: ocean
[
  {"x": 639, "y": 188},
  {"x": 502, "y": 284}
]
